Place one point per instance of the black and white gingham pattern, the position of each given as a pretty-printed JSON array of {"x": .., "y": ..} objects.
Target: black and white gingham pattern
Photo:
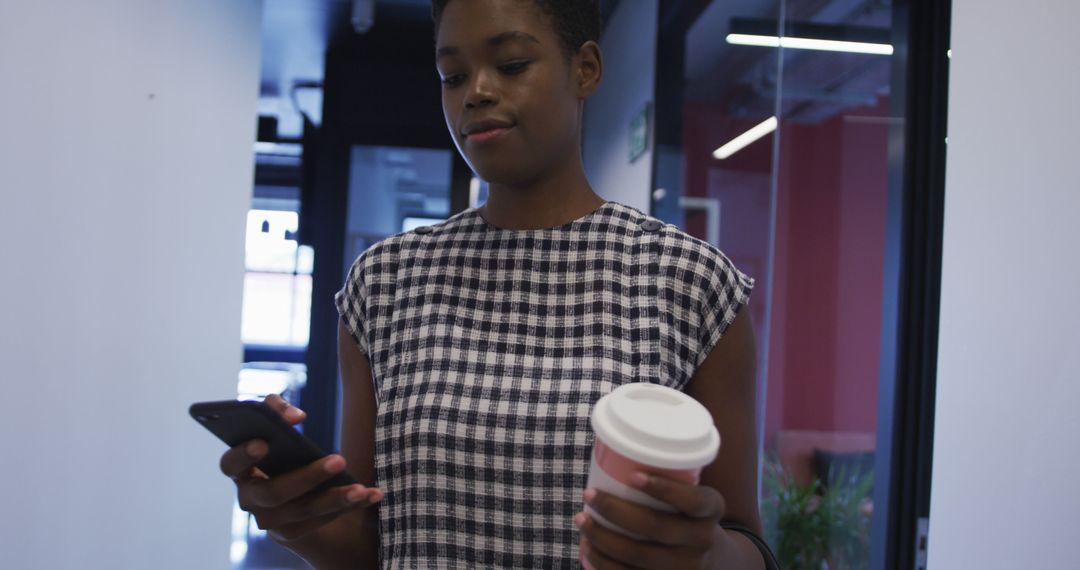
[{"x": 488, "y": 349}]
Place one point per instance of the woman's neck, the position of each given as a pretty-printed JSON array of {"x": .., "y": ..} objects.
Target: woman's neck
[{"x": 551, "y": 202}]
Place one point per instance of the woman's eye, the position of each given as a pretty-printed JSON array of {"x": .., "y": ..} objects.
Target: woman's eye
[
  {"x": 514, "y": 68},
  {"x": 453, "y": 80}
]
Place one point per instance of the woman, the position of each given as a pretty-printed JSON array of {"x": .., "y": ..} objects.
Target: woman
[{"x": 472, "y": 351}]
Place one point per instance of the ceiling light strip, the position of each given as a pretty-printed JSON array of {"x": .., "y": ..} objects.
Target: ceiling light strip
[
  {"x": 746, "y": 139},
  {"x": 809, "y": 44}
]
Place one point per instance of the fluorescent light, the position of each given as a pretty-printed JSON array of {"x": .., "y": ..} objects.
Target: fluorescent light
[
  {"x": 751, "y": 40},
  {"x": 746, "y": 139},
  {"x": 807, "y": 43}
]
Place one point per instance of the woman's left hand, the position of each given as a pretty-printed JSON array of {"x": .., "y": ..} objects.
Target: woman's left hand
[{"x": 687, "y": 538}]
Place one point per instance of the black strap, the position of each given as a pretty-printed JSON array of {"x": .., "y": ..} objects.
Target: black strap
[{"x": 766, "y": 553}]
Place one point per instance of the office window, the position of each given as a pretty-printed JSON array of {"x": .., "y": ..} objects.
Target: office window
[{"x": 277, "y": 285}]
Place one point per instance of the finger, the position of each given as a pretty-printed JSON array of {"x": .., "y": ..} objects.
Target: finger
[
  {"x": 698, "y": 501},
  {"x": 331, "y": 502},
  {"x": 672, "y": 529},
  {"x": 276, "y": 491},
  {"x": 291, "y": 413},
  {"x": 239, "y": 460},
  {"x": 592, "y": 559},
  {"x": 620, "y": 548}
]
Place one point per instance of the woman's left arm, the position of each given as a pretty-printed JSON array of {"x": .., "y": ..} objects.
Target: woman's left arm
[{"x": 692, "y": 538}]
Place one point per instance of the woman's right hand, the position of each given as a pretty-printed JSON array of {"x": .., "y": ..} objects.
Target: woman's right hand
[{"x": 285, "y": 505}]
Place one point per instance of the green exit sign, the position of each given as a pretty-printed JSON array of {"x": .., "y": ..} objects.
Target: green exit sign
[{"x": 639, "y": 134}]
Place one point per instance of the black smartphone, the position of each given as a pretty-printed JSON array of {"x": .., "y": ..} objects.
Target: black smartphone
[{"x": 236, "y": 422}]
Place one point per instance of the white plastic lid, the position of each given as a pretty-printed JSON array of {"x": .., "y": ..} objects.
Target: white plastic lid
[{"x": 657, "y": 426}]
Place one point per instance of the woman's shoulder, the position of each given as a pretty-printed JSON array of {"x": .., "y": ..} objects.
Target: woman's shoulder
[
  {"x": 698, "y": 262},
  {"x": 675, "y": 244},
  {"x": 390, "y": 250}
]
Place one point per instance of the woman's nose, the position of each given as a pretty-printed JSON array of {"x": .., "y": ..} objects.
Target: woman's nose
[{"x": 482, "y": 91}]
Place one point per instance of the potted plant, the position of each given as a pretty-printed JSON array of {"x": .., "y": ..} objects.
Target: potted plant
[{"x": 814, "y": 527}]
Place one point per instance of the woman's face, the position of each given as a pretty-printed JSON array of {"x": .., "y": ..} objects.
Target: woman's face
[{"x": 510, "y": 97}]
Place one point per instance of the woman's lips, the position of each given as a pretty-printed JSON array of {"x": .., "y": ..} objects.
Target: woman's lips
[{"x": 481, "y": 137}]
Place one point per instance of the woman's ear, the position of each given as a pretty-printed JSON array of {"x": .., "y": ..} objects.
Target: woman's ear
[{"x": 588, "y": 69}]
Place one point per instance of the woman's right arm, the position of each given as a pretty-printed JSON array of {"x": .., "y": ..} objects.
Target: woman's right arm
[{"x": 337, "y": 528}]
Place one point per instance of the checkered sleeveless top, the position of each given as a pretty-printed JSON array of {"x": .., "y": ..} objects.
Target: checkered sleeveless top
[{"x": 489, "y": 347}]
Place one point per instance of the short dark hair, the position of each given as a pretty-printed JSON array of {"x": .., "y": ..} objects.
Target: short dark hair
[{"x": 575, "y": 21}]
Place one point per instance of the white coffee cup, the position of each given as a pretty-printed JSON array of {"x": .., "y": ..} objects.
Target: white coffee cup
[{"x": 642, "y": 427}]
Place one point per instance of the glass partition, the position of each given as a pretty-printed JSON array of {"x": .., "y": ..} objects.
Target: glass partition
[{"x": 773, "y": 128}]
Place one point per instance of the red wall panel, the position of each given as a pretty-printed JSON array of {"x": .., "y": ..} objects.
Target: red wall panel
[{"x": 824, "y": 338}]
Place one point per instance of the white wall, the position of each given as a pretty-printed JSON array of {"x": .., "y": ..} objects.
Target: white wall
[
  {"x": 1005, "y": 491},
  {"x": 629, "y": 47},
  {"x": 125, "y": 174}
]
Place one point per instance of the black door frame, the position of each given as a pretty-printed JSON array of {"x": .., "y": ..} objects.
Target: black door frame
[{"x": 912, "y": 283}]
